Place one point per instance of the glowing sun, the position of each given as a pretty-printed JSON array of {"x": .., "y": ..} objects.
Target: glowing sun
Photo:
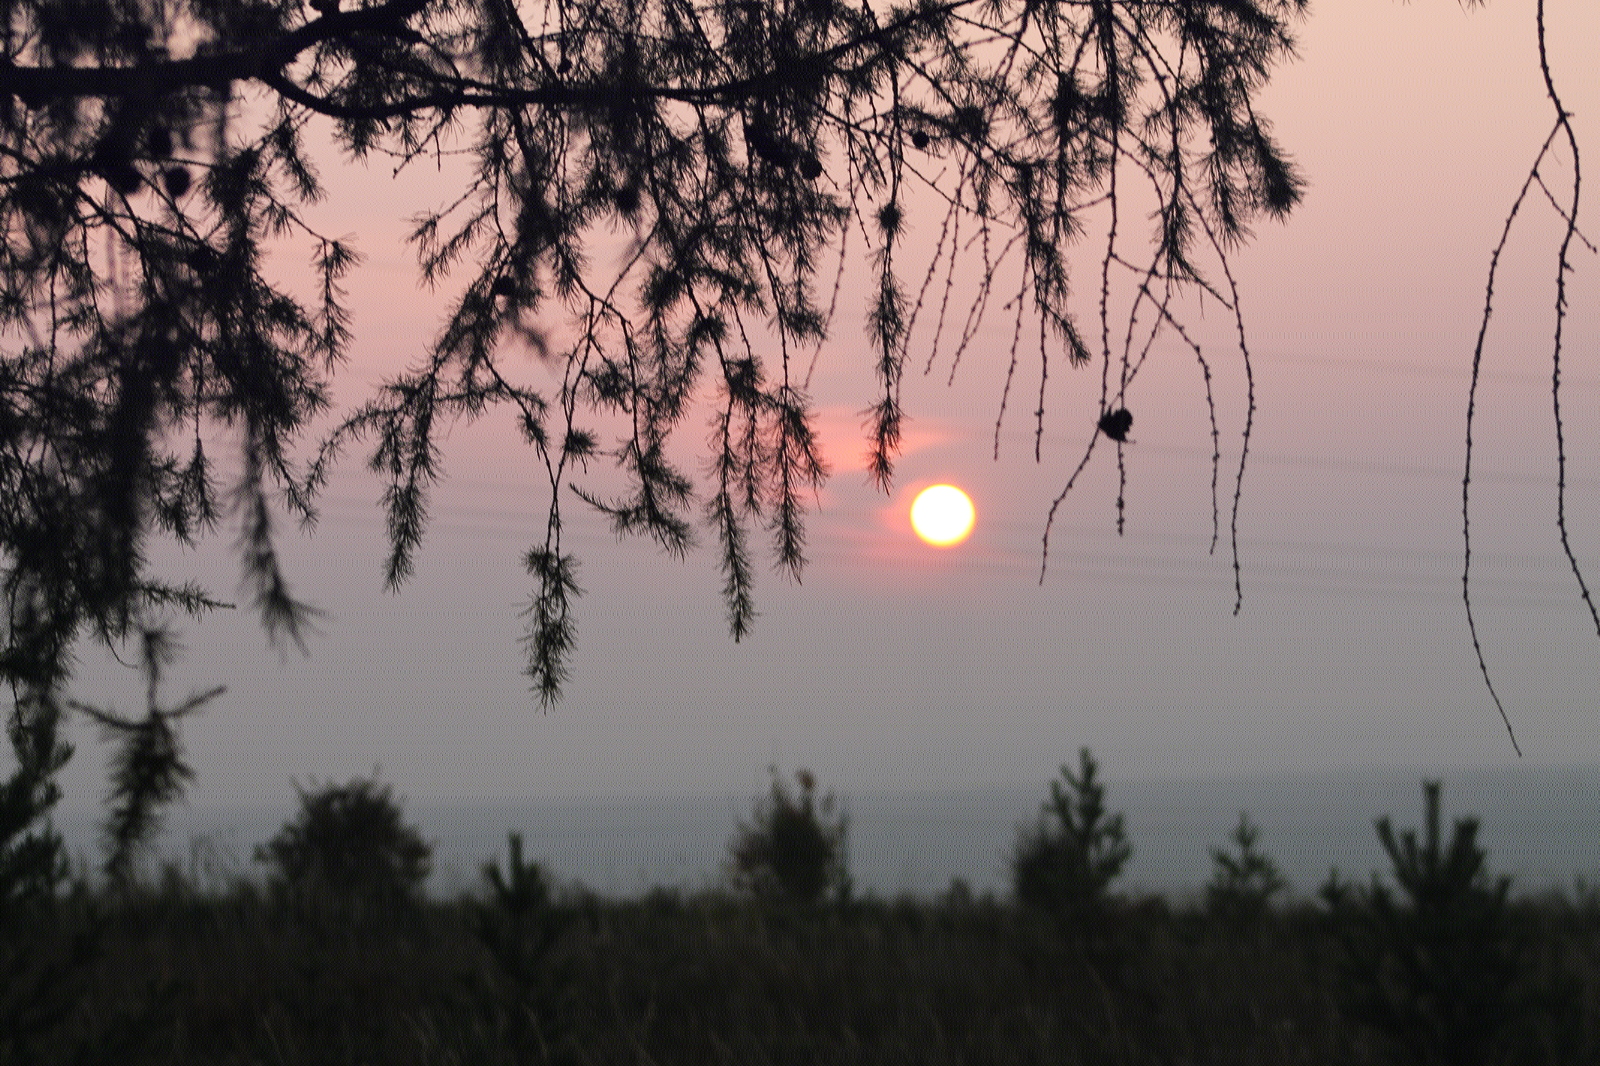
[{"x": 942, "y": 515}]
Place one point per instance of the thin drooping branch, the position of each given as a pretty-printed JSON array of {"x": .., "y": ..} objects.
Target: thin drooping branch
[
  {"x": 1249, "y": 420},
  {"x": 1569, "y": 214},
  {"x": 1563, "y": 265},
  {"x": 1472, "y": 410}
]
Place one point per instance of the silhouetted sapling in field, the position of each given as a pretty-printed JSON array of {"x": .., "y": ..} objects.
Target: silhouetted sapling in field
[
  {"x": 349, "y": 842},
  {"x": 520, "y": 924},
  {"x": 793, "y": 849},
  {"x": 1430, "y": 963},
  {"x": 1244, "y": 881},
  {"x": 1064, "y": 865}
]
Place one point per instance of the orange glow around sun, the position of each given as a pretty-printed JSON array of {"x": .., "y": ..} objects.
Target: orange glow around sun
[{"x": 943, "y": 515}]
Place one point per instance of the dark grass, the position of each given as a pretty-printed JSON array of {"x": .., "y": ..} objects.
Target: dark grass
[{"x": 176, "y": 975}]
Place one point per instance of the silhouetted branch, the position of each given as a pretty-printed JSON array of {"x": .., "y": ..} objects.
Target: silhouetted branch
[
  {"x": 1569, "y": 215},
  {"x": 148, "y": 770}
]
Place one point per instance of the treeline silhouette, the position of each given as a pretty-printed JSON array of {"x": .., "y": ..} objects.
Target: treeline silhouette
[{"x": 337, "y": 957}]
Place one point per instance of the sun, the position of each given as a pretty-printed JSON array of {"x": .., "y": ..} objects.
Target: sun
[{"x": 943, "y": 515}]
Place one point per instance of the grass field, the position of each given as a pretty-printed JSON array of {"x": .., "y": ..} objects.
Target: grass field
[
  {"x": 174, "y": 975},
  {"x": 339, "y": 959}
]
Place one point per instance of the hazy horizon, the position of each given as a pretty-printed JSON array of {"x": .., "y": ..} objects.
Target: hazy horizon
[{"x": 1540, "y": 826}]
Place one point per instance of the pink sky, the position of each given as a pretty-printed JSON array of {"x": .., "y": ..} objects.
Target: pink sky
[{"x": 899, "y": 665}]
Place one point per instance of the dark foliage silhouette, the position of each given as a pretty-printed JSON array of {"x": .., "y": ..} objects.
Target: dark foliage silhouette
[
  {"x": 1065, "y": 864},
  {"x": 793, "y": 849},
  {"x": 44, "y": 983},
  {"x": 148, "y": 770},
  {"x": 33, "y": 862},
  {"x": 521, "y": 925},
  {"x": 349, "y": 842},
  {"x": 1431, "y": 963},
  {"x": 742, "y": 145},
  {"x": 179, "y": 973},
  {"x": 153, "y": 153},
  {"x": 1244, "y": 881}
]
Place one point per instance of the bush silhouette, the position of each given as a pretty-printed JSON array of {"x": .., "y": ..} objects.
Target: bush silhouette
[
  {"x": 1065, "y": 864},
  {"x": 1244, "y": 881},
  {"x": 1432, "y": 966},
  {"x": 794, "y": 848},
  {"x": 520, "y": 924},
  {"x": 349, "y": 841}
]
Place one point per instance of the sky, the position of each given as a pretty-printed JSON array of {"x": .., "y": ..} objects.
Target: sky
[{"x": 900, "y": 666}]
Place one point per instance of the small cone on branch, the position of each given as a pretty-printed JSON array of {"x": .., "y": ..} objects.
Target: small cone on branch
[{"x": 1115, "y": 424}]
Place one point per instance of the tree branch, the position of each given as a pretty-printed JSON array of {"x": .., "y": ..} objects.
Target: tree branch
[{"x": 37, "y": 85}]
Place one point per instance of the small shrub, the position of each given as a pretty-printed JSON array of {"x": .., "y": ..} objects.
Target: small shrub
[
  {"x": 521, "y": 926},
  {"x": 1430, "y": 965},
  {"x": 518, "y": 922},
  {"x": 794, "y": 848},
  {"x": 1065, "y": 864},
  {"x": 349, "y": 842},
  {"x": 1243, "y": 882}
]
